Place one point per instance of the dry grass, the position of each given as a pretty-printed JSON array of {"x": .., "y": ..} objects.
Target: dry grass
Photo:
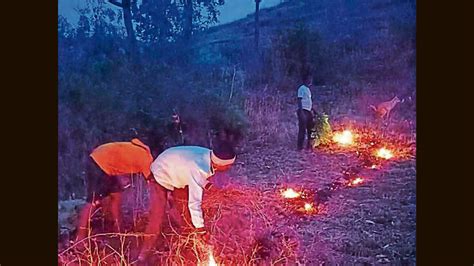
[
  {"x": 369, "y": 137},
  {"x": 252, "y": 224},
  {"x": 249, "y": 222},
  {"x": 272, "y": 116},
  {"x": 242, "y": 231}
]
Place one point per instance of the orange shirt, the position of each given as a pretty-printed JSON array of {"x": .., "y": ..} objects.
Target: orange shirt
[{"x": 119, "y": 158}]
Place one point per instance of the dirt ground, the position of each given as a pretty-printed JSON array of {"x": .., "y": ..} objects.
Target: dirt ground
[{"x": 371, "y": 223}]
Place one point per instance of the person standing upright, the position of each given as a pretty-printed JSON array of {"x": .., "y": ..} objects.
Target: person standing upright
[{"x": 305, "y": 116}]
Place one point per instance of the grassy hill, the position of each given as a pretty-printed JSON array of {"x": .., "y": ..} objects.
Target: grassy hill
[
  {"x": 360, "y": 52},
  {"x": 359, "y": 45},
  {"x": 362, "y": 21}
]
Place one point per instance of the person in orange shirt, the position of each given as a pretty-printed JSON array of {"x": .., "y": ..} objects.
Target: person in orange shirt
[{"x": 108, "y": 172}]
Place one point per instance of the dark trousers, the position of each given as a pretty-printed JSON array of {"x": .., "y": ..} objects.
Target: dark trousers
[
  {"x": 102, "y": 190},
  {"x": 158, "y": 200},
  {"x": 305, "y": 122},
  {"x": 99, "y": 184}
]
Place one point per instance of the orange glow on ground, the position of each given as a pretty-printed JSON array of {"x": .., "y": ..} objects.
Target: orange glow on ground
[
  {"x": 344, "y": 138},
  {"x": 289, "y": 193},
  {"x": 212, "y": 261},
  {"x": 384, "y": 153},
  {"x": 356, "y": 181}
]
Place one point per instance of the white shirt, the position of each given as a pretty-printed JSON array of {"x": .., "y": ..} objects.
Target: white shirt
[
  {"x": 305, "y": 94},
  {"x": 182, "y": 166}
]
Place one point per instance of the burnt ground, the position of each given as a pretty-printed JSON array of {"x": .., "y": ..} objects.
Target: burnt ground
[{"x": 371, "y": 223}]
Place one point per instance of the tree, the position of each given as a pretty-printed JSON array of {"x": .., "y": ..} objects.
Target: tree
[
  {"x": 154, "y": 20},
  {"x": 64, "y": 27},
  {"x": 83, "y": 29},
  {"x": 160, "y": 21},
  {"x": 257, "y": 26},
  {"x": 127, "y": 19},
  {"x": 188, "y": 19},
  {"x": 299, "y": 50},
  {"x": 198, "y": 14}
]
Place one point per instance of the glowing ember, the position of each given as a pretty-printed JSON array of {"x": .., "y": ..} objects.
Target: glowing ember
[
  {"x": 290, "y": 193},
  {"x": 356, "y": 181},
  {"x": 308, "y": 207},
  {"x": 374, "y": 166},
  {"x": 212, "y": 261},
  {"x": 384, "y": 153},
  {"x": 344, "y": 138}
]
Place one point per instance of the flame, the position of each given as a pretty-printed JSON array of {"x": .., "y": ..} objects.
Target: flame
[
  {"x": 212, "y": 261},
  {"x": 344, "y": 138},
  {"x": 289, "y": 193},
  {"x": 308, "y": 207},
  {"x": 356, "y": 181},
  {"x": 384, "y": 153}
]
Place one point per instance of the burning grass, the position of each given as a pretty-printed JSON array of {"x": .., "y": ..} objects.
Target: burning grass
[
  {"x": 384, "y": 153},
  {"x": 241, "y": 222},
  {"x": 372, "y": 145},
  {"x": 243, "y": 229},
  {"x": 289, "y": 193},
  {"x": 355, "y": 181},
  {"x": 344, "y": 138},
  {"x": 247, "y": 225},
  {"x": 300, "y": 202}
]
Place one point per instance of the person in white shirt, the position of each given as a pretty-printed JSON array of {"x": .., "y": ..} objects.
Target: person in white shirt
[
  {"x": 183, "y": 170},
  {"x": 305, "y": 115}
]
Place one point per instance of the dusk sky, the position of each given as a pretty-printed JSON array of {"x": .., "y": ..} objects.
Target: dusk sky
[{"x": 230, "y": 11}]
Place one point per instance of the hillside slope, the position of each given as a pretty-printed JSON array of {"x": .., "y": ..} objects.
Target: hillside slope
[
  {"x": 366, "y": 51},
  {"x": 364, "y": 21},
  {"x": 370, "y": 46}
]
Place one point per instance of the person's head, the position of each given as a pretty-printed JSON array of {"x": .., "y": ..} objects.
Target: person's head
[
  {"x": 153, "y": 138},
  {"x": 156, "y": 143},
  {"x": 307, "y": 78},
  {"x": 222, "y": 156}
]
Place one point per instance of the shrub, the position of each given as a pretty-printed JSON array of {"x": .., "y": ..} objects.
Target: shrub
[{"x": 294, "y": 52}]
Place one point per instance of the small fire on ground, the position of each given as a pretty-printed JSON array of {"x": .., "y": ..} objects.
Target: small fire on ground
[
  {"x": 344, "y": 138},
  {"x": 384, "y": 153},
  {"x": 356, "y": 181},
  {"x": 211, "y": 260},
  {"x": 299, "y": 201},
  {"x": 309, "y": 208},
  {"x": 289, "y": 193}
]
